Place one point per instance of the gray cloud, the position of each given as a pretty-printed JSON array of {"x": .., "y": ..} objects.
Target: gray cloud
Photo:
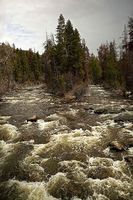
[{"x": 25, "y": 22}]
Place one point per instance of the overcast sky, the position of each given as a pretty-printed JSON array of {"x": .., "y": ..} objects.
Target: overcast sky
[{"x": 25, "y": 22}]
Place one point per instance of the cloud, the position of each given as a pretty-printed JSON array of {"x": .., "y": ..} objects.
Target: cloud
[{"x": 25, "y": 22}]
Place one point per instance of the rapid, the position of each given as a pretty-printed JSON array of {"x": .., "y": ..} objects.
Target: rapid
[{"x": 74, "y": 150}]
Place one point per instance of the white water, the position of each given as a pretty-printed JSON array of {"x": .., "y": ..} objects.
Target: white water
[{"x": 66, "y": 153}]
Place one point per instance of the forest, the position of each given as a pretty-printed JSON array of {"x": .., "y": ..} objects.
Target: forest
[{"x": 66, "y": 65}]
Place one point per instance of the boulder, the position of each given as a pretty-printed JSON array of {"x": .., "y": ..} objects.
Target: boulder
[
  {"x": 129, "y": 159},
  {"x": 69, "y": 97},
  {"x": 130, "y": 108},
  {"x": 124, "y": 117},
  {"x": 109, "y": 110},
  {"x": 117, "y": 146},
  {"x": 116, "y": 111},
  {"x": 34, "y": 118},
  {"x": 101, "y": 111},
  {"x": 88, "y": 108},
  {"x": 130, "y": 142}
]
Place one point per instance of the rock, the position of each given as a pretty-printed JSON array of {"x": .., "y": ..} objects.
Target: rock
[
  {"x": 124, "y": 117},
  {"x": 130, "y": 142},
  {"x": 88, "y": 108},
  {"x": 75, "y": 93},
  {"x": 3, "y": 122},
  {"x": 4, "y": 119},
  {"x": 116, "y": 146},
  {"x": 79, "y": 93},
  {"x": 129, "y": 159},
  {"x": 130, "y": 108},
  {"x": 109, "y": 110},
  {"x": 69, "y": 97},
  {"x": 101, "y": 111},
  {"x": 122, "y": 110},
  {"x": 34, "y": 118}
]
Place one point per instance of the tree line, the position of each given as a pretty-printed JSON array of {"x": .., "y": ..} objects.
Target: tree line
[
  {"x": 69, "y": 63},
  {"x": 113, "y": 67},
  {"x": 66, "y": 64},
  {"x": 18, "y": 66}
]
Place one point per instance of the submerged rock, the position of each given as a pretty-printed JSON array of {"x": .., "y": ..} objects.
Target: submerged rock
[
  {"x": 129, "y": 159},
  {"x": 109, "y": 110},
  {"x": 101, "y": 111},
  {"x": 124, "y": 117},
  {"x": 130, "y": 142},
  {"x": 4, "y": 119},
  {"x": 88, "y": 108}
]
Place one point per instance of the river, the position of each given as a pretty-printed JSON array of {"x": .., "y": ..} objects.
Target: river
[{"x": 75, "y": 150}]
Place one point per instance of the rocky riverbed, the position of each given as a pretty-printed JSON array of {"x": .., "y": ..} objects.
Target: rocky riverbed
[{"x": 73, "y": 150}]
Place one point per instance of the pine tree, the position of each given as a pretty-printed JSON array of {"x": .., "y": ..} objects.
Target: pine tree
[
  {"x": 130, "y": 26},
  {"x": 85, "y": 60},
  {"x": 109, "y": 64},
  {"x": 77, "y": 51},
  {"x": 69, "y": 44},
  {"x": 129, "y": 81},
  {"x": 6, "y": 59},
  {"x": 123, "y": 61},
  {"x": 95, "y": 69},
  {"x": 61, "y": 44},
  {"x": 103, "y": 52},
  {"x": 65, "y": 60},
  {"x": 50, "y": 68}
]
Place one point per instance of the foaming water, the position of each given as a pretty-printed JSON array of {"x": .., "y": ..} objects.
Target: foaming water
[
  {"x": 66, "y": 154},
  {"x": 8, "y": 132}
]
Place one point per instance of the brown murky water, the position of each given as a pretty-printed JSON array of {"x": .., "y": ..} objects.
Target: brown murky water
[{"x": 66, "y": 154}]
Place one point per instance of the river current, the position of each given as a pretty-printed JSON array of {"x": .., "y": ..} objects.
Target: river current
[{"x": 75, "y": 150}]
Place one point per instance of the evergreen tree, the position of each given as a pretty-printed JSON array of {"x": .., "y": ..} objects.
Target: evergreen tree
[
  {"x": 95, "y": 69},
  {"x": 51, "y": 72},
  {"x": 6, "y": 58},
  {"x": 85, "y": 60},
  {"x": 129, "y": 80},
  {"x": 77, "y": 51},
  {"x": 130, "y": 26},
  {"x": 61, "y": 44},
  {"x": 109, "y": 64},
  {"x": 65, "y": 61},
  {"x": 103, "y": 52},
  {"x": 69, "y": 44},
  {"x": 123, "y": 61}
]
